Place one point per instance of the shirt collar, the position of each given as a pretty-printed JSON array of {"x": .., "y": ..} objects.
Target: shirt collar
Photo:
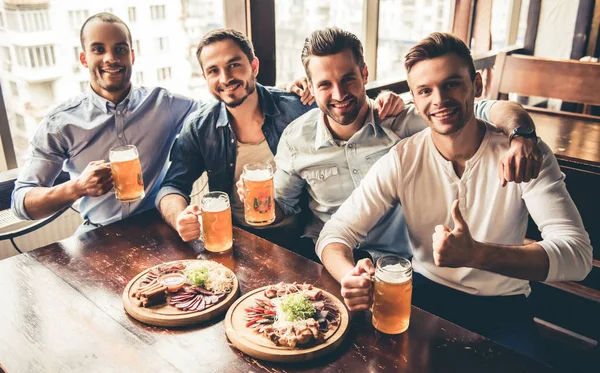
[
  {"x": 265, "y": 100},
  {"x": 324, "y": 137},
  {"x": 105, "y": 105}
]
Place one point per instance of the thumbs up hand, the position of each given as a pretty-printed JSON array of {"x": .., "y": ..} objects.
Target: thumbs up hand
[{"x": 456, "y": 247}]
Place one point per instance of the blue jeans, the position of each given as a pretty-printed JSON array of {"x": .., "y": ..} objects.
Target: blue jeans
[{"x": 507, "y": 320}]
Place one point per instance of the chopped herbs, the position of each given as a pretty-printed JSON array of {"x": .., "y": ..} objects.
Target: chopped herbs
[{"x": 296, "y": 307}]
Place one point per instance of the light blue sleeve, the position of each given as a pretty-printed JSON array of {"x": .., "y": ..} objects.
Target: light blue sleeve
[
  {"x": 43, "y": 164},
  {"x": 482, "y": 109},
  {"x": 288, "y": 184}
]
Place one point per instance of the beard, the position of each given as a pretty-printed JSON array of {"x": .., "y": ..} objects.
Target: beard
[
  {"x": 349, "y": 116},
  {"x": 248, "y": 90}
]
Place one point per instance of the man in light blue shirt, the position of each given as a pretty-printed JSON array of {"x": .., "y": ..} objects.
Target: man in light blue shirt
[
  {"x": 329, "y": 150},
  {"x": 77, "y": 135}
]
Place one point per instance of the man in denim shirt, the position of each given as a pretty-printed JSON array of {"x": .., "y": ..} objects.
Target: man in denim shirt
[
  {"x": 77, "y": 135},
  {"x": 243, "y": 126},
  {"x": 329, "y": 151}
]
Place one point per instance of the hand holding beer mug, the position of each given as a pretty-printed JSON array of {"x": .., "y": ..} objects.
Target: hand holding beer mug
[
  {"x": 217, "y": 232},
  {"x": 259, "y": 196},
  {"x": 127, "y": 173},
  {"x": 392, "y": 294}
]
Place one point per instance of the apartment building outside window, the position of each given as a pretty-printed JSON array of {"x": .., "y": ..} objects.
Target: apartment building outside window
[
  {"x": 139, "y": 78},
  {"x": 162, "y": 44},
  {"x": 164, "y": 73},
  {"x": 76, "y": 51},
  {"x": 157, "y": 12},
  {"x": 131, "y": 14},
  {"x": 33, "y": 57},
  {"x": 6, "y": 55},
  {"x": 1, "y": 20},
  {"x": 137, "y": 48},
  {"x": 77, "y": 17}
]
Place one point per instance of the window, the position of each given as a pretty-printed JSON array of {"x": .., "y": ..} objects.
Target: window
[
  {"x": 108, "y": 10},
  {"x": 83, "y": 85},
  {"x": 77, "y": 17},
  {"x": 76, "y": 52},
  {"x": 20, "y": 122},
  {"x": 162, "y": 44},
  {"x": 13, "y": 89},
  {"x": 139, "y": 78},
  {"x": 27, "y": 20},
  {"x": 164, "y": 73},
  {"x": 294, "y": 21},
  {"x": 131, "y": 14},
  {"x": 157, "y": 12},
  {"x": 6, "y": 55},
  {"x": 396, "y": 38},
  {"x": 502, "y": 23},
  {"x": 32, "y": 57},
  {"x": 1, "y": 20},
  {"x": 137, "y": 48}
]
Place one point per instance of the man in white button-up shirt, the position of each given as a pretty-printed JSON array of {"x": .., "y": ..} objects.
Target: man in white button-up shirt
[{"x": 465, "y": 228}]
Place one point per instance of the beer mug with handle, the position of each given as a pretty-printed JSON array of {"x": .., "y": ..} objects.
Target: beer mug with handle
[
  {"x": 259, "y": 203},
  {"x": 392, "y": 294},
  {"x": 127, "y": 173},
  {"x": 217, "y": 232}
]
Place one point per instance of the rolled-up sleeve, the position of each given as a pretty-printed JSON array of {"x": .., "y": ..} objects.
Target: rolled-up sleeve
[
  {"x": 564, "y": 238},
  {"x": 376, "y": 195},
  {"x": 288, "y": 184},
  {"x": 187, "y": 163},
  {"x": 43, "y": 164},
  {"x": 482, "y": 109}
]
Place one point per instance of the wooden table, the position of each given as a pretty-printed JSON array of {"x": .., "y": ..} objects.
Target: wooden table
[
  {"x": 573, "y": 138},
  {"x": 62, "y": 312}
]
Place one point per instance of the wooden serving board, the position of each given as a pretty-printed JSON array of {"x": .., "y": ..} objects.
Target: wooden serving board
[
  {"x": 170, "y": 316},
  {"x": 249, "y": 341}
]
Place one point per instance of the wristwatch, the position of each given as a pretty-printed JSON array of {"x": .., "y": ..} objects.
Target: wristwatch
[{"x": 528, "y": 133}]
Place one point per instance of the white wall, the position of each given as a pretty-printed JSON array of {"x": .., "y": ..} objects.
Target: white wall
[{"x": 556, "y": 28}]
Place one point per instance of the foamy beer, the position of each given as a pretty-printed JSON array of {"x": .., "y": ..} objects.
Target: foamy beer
[
  {"x": 216, "y": 222},
  {"x": 392, "y": 294},
  {"x": 127, "y": 173},
  {"x": 259, "y": 203}
]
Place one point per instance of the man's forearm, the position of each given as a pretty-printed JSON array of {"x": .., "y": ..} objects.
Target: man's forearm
[
  {"x": 170, "y": 207},
  {"x": 508, "y": 115},
  {"x": 41, "y": 202},
  {"x": 527, "y": 262},
  {"x": 338, "y": 260}
]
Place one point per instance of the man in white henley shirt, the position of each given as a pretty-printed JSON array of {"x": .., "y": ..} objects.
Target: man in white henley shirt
[{"x": 466, "y": 230}]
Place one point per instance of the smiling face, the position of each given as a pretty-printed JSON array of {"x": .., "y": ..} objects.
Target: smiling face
[
  {"x": 444, "y": 93},
  {"x": 108, "y": 57},
  {"x": 230, "y": 75},
  {"x": 338, "y": 85}
]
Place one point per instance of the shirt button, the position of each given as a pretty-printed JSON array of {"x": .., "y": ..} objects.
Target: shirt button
[
  {"x": 321, "y": 176},
  {"x": 355, "y": 171},
  {"x": 231, "y": 165},
  {"x": 350, "y": 146},
  {"x": 120, "y": 136},
  {"x": 232, "y": 141},
  {"x": 118, "y": 112}
]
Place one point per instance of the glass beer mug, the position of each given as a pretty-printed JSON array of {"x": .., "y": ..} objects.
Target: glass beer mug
[
  {"x": 259, "y": 204},
  {"x": 392, "y": 294},
  {"x": 127, "y": 173},
  {"x": 217, "y": 232}
]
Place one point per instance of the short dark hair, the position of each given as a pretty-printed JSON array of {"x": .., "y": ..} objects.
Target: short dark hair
[
  {"x": 328, "y": 41},
  {"x": 438, "y": 44},
  {"x": 226, "y": 33},
  {"x": 104, "y": 17}
]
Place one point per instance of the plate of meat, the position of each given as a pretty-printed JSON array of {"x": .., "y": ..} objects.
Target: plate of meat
[
  {"x": 180, "y": 293},
  {"x": 287, "y": 322}
]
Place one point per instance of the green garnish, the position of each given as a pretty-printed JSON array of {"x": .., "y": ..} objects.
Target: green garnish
[
  {"x": 296, "y": 307},
  {"x": 197, "y": 275}
]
